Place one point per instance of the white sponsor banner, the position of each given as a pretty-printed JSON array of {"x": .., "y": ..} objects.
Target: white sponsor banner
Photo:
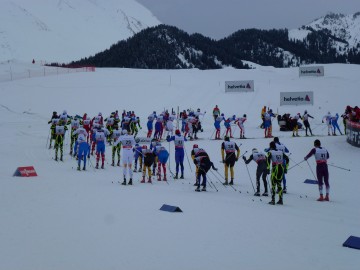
[
  {"x": 239, "y": 86},
  {"x": 296, "y": 98},
  {"x": 311, "y": 71}
]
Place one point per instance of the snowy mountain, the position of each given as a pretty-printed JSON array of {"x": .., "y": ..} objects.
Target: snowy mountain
[
  {"x": 86, "y": 220},
  {"x": 64, "y": 30},
  {"x": 344, "y": 28}
]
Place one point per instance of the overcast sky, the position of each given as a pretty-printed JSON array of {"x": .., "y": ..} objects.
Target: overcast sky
[{"x": 220, "y": 18}]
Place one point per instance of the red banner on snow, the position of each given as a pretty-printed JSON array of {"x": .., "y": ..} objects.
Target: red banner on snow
[{"x": 25, "y": 171}]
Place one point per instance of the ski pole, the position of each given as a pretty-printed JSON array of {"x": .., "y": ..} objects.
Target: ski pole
[
  {"x": 218, "y": 180},
  {"x": 311, "y": 170},
  {"x": 250, "y": 177},
  {"x": 297, "y": 164},
  {"x": 211, "y": 184},
  {"x": 187, "y": 159},
  {"x": 212, "y": 134},
  {"x": 339, "y": 167},
  {"x": 224, "y": 180},
  {"x": 47, "y": 140}
]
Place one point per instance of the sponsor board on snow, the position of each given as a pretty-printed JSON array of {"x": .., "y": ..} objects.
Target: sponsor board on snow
[
  {"x": 353, "y": 133},
  {"x": 311, "y": 71},
  {"x": 239, "y": 86},
  {"x": 27, "y": 171},
  {"x": 296, "y": 98}
]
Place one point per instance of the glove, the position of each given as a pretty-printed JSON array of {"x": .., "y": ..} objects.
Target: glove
[
  {"x": 168, "y": 137},
  {"x": 285, "y": 171},
  {"x": 244, "y": 158},
  {"x": 223, "y": 161},
  {"x": 305, "y": 158},
  {"x": 322, "y": 121},
  {"x": 268, "y": 171},
  {"x": 236, "y": 159}
]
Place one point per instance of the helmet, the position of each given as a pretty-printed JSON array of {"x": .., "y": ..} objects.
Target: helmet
[
  {"x": 276, "y": 139},
  {"x": 198, "y": 109},
  {"x": 227, "y": 139},
  {"x": 270, "y": 110},
  {"x": 254, "y": 151},
  {"x": 100, "y": 114},
  {"x": 244, "y": 115},
  {"x": 137, "y": 145},
  {"x": 144, "y": 146},
  {"x": 54, "y": 112},
  {"x": 234, "y": 116},
  {"x": 222, "y": 114},
  {"x": 305, "y": 111},
  {"x": 177, "y": 132},
  {"x": 317, "y": 142},
  {"x": 195, "y": 146},
  {"x": 64, "y": 112},
  {"x": 124, "y": 131}
]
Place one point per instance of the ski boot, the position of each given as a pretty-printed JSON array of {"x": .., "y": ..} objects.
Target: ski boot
[
  {"x": 164, "y": 179},
  {"x": 257, "y": 193},
  {"x": 182, "y": 176},
  {"x": 84, "y": 168},
  {"x": 149, "y": 180},
  {"x": 204, "y": 188},
  {"x": 226, "y": 182},
  {"x": 118, "y": 163},
  {"x": 130, "y": 182},
  {"x": 56, "y": 158},
  {"x": 159, "y": 177},
  {"x": 176, "y": 176},
  {"x": 113, "y": 163},
  {"x": 231, "y": 182},
  {"x": 124, "y": 182},
  {"x": 265, "y": 193},
  {"x": 78, "y": 168},
  {"x": 272, "y": 202},
  {"x": 280, "y": 201},
  {"x": 321, "y": 198},
  {"x": 143, "y": 180},
  {"x": 102, "y": 166},
  {"x": 61, "y": 158},
  {"x": 71, "y": 152},
  {"x": 97, "y": 166},
  {"x": 197, "y": 189},
  {"x": 327, "y": 198}
]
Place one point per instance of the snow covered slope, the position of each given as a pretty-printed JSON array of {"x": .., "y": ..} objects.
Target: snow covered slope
[
  {"x": 65, "y": 219},
  {"x": 343, "y": 27},
  {"x": 66, "y": 30}
]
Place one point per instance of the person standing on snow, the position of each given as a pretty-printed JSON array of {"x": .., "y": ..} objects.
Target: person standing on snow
[
  {"x": 229, "y": 147},
  {"x": 82, "y": 150},
  {"x": 100, "y": 139},
  {"x": 179, "y": 142},
  {"x": 163, "y": 156},
  {"x": 216, "y": 112},
  {"x": 305, "y": 119},
  {"x": 148, "y": 161},
  {"x": 322, "y": 172},
  {"x": 327, "y": 119},
  {"x": 261, "y": 171},
  {"x": 335, "y": 124},
  {"x": 127, "y": 142},
  {"x": 203, "y": 165},
  {"x": 276, "y": 159},
  {"x": 240, "y": 122}
]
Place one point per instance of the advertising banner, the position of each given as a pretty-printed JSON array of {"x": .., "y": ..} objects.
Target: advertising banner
[
  {"x": 353, "y": 133},
  {"x": 239, "y": 86},
  {"x": 311, "y": 71},
  {"x": 296, "y": 98}
]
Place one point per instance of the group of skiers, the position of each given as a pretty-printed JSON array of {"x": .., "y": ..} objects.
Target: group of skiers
[{"x": 89, "y": 135}]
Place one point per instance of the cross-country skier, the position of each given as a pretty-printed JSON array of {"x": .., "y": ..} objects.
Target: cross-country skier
[
  {"x": 100, "y": 139},
  {"x": 261, "y": 171},
  {"x": 82, "y": 150},
  {"x": 327, "y": 119},
  {"x": 216, "y": 112},
  {"x": 305, "y": 119},
  {"x": 75, "y": 124},
  {"x": 127, "y": 142},
  {"x": 149, "y": 124},
  {"x": 229, "y": 148},
  {"x": 203, "y": 165},
  {"x": 163, "y": 156},
  {"x": 240, "y": 122},
  {"x": 335, "y": 124},
  {"x": 59, "y": 131},
  {"x": 179, "y": 141},
  {"x": 275, "y": 158},
  {"x": 54, "y": 122},
  {"x": 322, "y": 172},
  {"x": 217, "y": 126},
  {"x": 115, "y": 149},
  {"x": 268, "y": 123},
  {"x": 148, "y": 161},
  {"x": 138, "y": 157}
]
